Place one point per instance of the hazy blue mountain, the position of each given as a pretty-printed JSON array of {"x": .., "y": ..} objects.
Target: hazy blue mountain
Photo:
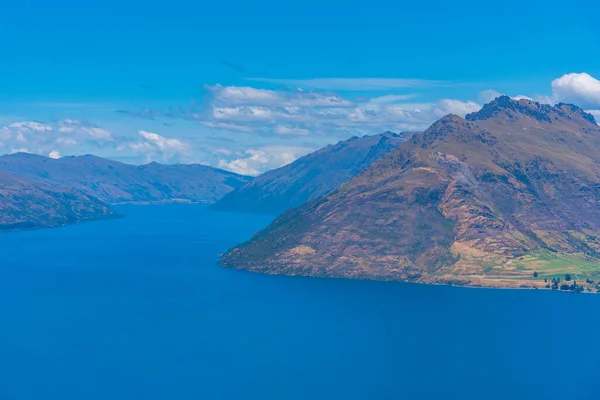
[
  {"x": 116, "y": 182},
  {"x": 27, "y": 204},
  {"x": 311, "y": 176}
]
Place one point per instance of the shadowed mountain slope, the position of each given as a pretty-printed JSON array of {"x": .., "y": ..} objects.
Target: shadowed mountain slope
[{"x": 309, "y": 177}]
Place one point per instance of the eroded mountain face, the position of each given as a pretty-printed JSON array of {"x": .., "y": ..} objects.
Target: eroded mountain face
[{"x": 486, "y": 200}]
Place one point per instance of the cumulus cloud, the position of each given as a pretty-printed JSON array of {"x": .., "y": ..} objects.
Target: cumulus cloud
[
  {"x": 84, "y": 127},
  {"x": 153, "y": 145},
  {"x": 19, "y": 150},
  {"x": 254, "y": 161},
  {"x": 28, "y": 126},
  {"x": 521, "y": 97},
  {"x": 67, "y": 141},
  {"x": 43, "y": 138},
  {"x": 449, "y": 106},
  {"x": 488, "y": 95},
  {"x": 579, "y": 88},
  {"x": 246, "y": 109},
  {"x": 54, "y": 154},
  {"x": 299, "y": 112}
]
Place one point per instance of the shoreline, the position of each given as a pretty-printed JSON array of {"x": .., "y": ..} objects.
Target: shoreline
[
  {"x": 84, "y": 220},
  {"x": 157, "y": 202},
  {"x": 407, "y": 282},
  {"x": 116, "y": 215}
]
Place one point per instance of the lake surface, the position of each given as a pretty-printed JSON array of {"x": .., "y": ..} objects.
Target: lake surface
[{"x": 137, "y": 308}]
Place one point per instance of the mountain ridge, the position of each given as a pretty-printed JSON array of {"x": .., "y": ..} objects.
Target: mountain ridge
[
  {"x": 116, "y": 182},
  {"x": 310, "y": 176},
  {"x": 543, "y": 112}
]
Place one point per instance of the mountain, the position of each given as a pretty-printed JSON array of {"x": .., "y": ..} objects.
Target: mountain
[
  {"x": 508, "y": 197},
  {"x": 26, "y": 204},
  {"x": 309, "y": 177},
  {"x": 115, "y": 182}
]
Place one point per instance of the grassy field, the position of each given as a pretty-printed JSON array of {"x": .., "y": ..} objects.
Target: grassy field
[
  {"x": 519, "y": 272},
  {"x": 549, "y": 265}
]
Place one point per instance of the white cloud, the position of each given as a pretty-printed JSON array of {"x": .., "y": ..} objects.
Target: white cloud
[
  {"x": 488, "y": 95},
  {"x": 162, "y": 142},
  {"x": 43, "y": 138},
  {"x": 299, "y": 112},
  {"x": 67, "y": 141},
  {"x": 83, "y": 127},
  {"x": 288, "y": 130},
  {"x": 230, "y": 127},
  {"x": 245, "y": 95},
  {"x": 448, "y": 106},
  {"x": 240, "y": 114},
  {"x": 578, "y": 88},
  {"x": 544, "y": 99},
  {"x": 20, "y": 131},
  {"x": 224, "y": 152},
  {"x": 240, "y": 166},
  {"x": 254, "y": 161},
  {"x": 54, "y": 154},
  {"x": 391, "y": 98},
  {"x": 154, "y": 146},
  {"x": 29, "y": 126},
  {"x": 521, "y": 97},
  {"x": 21, "y": 150},
  {"x": 353, "y": 83}
]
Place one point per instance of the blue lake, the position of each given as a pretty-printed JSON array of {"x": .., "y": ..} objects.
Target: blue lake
[{"x": 136, "y": 308}]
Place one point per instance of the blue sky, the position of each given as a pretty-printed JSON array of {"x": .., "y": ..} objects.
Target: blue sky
[{"x": 249, "y": 86}]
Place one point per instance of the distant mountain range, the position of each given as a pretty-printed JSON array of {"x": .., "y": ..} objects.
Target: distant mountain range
[
  {"x": 116, "y": 182},
  {"x": 27, "y": 204},
  {"x": 39, "y": 191},
  {"x": 309, "y": 177},
  {"x": 508, "y": 196}
]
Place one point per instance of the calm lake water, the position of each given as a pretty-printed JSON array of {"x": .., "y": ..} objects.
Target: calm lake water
[{"x": 137, "y": 308}]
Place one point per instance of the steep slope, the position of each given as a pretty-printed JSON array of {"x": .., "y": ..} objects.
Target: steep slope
[
  {"x": 488, "y": 200},
  {"x": 26, "y": 204},
  {"x": 115, "y": 182},
  {"x": 309, "y": 177}
]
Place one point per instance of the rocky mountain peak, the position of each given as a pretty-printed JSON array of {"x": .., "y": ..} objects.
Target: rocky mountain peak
[
  {"x": 450, "y": 126},
  {"x": 392, "y": 134},
  {"x": 571, "y": 110},
  {"x": 512, "y": 109}
]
